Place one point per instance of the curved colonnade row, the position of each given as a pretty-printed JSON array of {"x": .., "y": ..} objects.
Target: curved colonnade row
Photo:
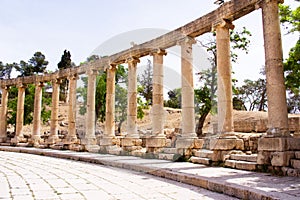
[{"x": 219, "y": 20}]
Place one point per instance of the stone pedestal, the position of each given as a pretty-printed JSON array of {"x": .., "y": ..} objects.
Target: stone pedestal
[
  {"x": 154, "y": 144},
  {"x": 131, "y": 144},
  {"x": 90, "y": 145}
]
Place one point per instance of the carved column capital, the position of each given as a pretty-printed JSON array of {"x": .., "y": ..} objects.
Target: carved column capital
[
  {"x": 186, "y": 41},
  {"x": 222, "y": 23},
  {"x": 158, "y": 51},
  {"x": 132, "y": 60},
  {"x": 56, "y": 81},
  {"x": 21, "y": 85},
  {"x": 92, "y": 72},
  {"x": 73, "y": 77}
]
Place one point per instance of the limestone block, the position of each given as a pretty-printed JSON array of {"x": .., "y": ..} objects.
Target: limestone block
[
  {"x": 295, "y": 163},
  {"x": 106, "y": 141},
  {"x": 185, "y": 143},
  {"x": 245, "y": 165},
  {"x": 204, "y": 161},
  {"x": 272, "y": 144},
  {"x": 281, "y": 159},
  {"x": 297, "y": 154},
  {"x": 155, "y": 142},
  {"x": 127, "y": 142},
  {"x": 264, "y": 158},
  {"x": 230, "y": 163},
  {"x": 293, "y": 143},
  {"x": 226, "y": 144},
  {"x": 198, "y": 143}
]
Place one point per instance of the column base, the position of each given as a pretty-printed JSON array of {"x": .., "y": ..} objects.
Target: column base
[
  {"x": 53, "y": 139},
  {"x": 277, "y": 132},
  {"x": 71, "y": 140},
  {"x": 128, "y": 142},
  {"x": 18, "y": 139},
  {"x": 35, "y": 141},
  {"x": 155, "y": 144},
  {"x": 3, "y": 139},
  {"x": 90, "y": 145}
]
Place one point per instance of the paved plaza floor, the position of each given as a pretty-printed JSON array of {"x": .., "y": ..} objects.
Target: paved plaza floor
[
  {"x": 27, "y": 176},
  {"x": 83, "y": 175}
]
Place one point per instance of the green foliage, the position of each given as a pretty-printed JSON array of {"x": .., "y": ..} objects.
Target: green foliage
[
  {"x": 64, "y": 63},
  {"x": 36, "y": 65},
  {"x": 6, "y": 69},
  {"x": 145, "y": 88},
  {"x": 174, "y": 100},
  {"x": 289, "y": 18},
  {"x": 101, "y": 97}
]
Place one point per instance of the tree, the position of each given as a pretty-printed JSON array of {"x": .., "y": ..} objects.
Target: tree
[
  {"x": 5, "y": 70},
  {"x": 36, "y": 65},
  {"x": 290, "y": 20},
  {"x": 205, "y": 95},
  {"x": 174, "y": 100},
  {"x": 64, "y": 63},
  {"x": 145, "y": 88}
]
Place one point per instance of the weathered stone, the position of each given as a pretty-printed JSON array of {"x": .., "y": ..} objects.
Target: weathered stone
[
  {"x": 245, "y": 165},
  {"x": 293, "y": 143},
  {"x": 204, "y": 161},
  {"x": 185, "y": 143},
  {"x": 249, "y": 158},
  {"x": 198, "y": 143},
  {"x": 264, "y": 158},
  {"x": 230, "y": 163},
  {"x": 155, "y": 142},
  {"x": 297, "y": 154},
  {"x": 272, "y": 144},
  {"x": 127, "y": 142},
  {"x": 226, "y": 144},
  {"x": 295, "y": 163},
  {"x": 281, "y": 159}
]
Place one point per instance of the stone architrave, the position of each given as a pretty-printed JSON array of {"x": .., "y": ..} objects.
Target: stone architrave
[
  {"x": 109, "y": 131},
  {"x": 90, "y": 138},
  {"x": 158, "y": 138},
  {"x": 20, "y": 114},
  {"x": 53, "y": 138},
  {"x": 3, "y": 114},
  {"x": 36, "y": 132},
  {"x": 225, "y": 107},
  {"x": 276, "y": 91},
  {"x": 71, "y": 137},
  {"x": 188, "y": 134},
  {"x": 132, "y": 98}
]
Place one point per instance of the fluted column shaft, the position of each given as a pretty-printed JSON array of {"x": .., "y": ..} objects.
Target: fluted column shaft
[
  {"x": 110, "y": 102},
  {"x": 187, "y": 88},
  {"x": 132, "y": 99},
  {"x": 225, "y": 107},
  {"x": 3, "y": 114},
  {"x": 276, "y": 91}
]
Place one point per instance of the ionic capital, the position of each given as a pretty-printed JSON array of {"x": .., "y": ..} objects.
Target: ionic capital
[
  {"x": 158, "y": 52},
  {"x": 92, "y": 72},
  {"x": 73, "y": 77},
  {"x": 132, "y": 60},
  {"x": 262, "y": 2},
  {"x": 56, "y": 81},
  {"x": 4, "y": 87},
  {"x": 186, "y": 41},
  {"x": 21, "y": 85},
  {"x": 39, "y": 84},
  {"x": 222, "y": 23}
]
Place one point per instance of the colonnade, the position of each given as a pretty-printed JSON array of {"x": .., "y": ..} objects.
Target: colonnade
[{"x": 275, "y": 90}]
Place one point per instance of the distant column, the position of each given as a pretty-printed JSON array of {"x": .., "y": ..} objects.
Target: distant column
[
  {"x": 225, "y": 107},
  {"x": 132, "y": 98},
  {"x": 53, "y": 138},
  {"x": 110, "y": 102},
  {"x": 71, "y": 138},
  {"x": 276, "y": 91},
  {"x": 90, "y": 138},
  {"x": 36, "y": 133},
  {"x": 3, "y": 114},
  {"x": 158, "y": 94},
  {"x": 20, "y": 114},
  {"x": 187, "y": 88}
]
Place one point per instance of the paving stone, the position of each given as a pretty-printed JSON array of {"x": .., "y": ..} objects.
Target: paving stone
[{"x": 204, "y": 161}]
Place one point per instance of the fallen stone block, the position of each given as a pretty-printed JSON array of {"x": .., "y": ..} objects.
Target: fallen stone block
[{"x": 281, "y": 159}]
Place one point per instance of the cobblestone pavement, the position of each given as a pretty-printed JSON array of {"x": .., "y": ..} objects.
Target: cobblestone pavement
[{"x": 27, "y": 176}]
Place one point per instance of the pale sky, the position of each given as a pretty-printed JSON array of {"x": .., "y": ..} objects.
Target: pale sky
[{"x": 80, "y": 26}]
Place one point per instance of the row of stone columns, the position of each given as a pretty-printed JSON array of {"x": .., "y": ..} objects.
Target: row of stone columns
[{"x": 36, "y": 131}]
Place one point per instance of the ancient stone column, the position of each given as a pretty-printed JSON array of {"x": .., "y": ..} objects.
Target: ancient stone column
[
  {"x": 53, "y": 138},
  {"x": 3, "y": 114},
  {"x": 20, "y": 114},
  {"x": 90, "y": 139},
  {"x": 157, "y": 139},
  {"x": 71, "y": 137},
  {"x": 276, "y": 91},
  {"x": 132, "y": 98},
  {"x": 225, "y": 107},
  {"x": 36, "y": 132},
  {"x": 188, "y": 134}
]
